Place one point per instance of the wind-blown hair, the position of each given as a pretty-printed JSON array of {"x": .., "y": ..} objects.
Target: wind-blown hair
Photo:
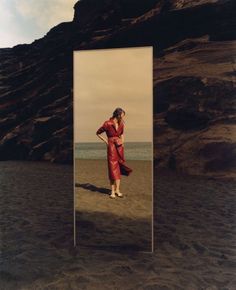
[{"x": 117, "y": 114}]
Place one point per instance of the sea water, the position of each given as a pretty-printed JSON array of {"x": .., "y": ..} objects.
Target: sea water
[{"x": 98, "y": 150}]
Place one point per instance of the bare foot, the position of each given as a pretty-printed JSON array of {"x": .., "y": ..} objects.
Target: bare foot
[
  {"x": 112, "y": 195},
  {"x": 119, "y": 194}
]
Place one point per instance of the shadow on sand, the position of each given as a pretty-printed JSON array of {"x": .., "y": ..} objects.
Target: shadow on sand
[
  {"x": 93, "y": 188},
  {"x": 107, "y": 231}
]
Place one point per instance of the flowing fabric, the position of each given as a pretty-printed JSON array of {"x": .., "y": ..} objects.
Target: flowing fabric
[{"x": 115, "y": 151}]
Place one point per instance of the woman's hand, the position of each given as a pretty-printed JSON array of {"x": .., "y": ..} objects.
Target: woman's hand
[{"x": 122, "y": 139}]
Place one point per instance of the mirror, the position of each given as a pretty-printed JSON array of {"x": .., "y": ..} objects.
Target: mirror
[{"x": 113, "y": 148}]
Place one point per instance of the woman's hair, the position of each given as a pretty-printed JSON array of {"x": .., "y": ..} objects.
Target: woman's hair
[{"x": 117, "y": 114}]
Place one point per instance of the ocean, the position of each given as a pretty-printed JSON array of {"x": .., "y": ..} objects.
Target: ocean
[{"x": 98, "y": 150}]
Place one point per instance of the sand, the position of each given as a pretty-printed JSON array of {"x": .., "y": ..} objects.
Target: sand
[
  {"x": 195, "y": 234},
  {"x": 118, "y": 224}
]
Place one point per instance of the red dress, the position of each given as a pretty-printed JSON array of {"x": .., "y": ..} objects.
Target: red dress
[{"x": 115, "y": 151}]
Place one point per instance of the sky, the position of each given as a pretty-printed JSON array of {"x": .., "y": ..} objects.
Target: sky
[
  {"x": 23, "y": 21},
  {"x": 108, "y": 78}
]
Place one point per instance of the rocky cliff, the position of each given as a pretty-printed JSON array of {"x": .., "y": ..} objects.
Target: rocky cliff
[{"x": 194, "y": 81}]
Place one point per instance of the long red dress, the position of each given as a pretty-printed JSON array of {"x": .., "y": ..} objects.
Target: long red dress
[{"x": 115, "y": 151}]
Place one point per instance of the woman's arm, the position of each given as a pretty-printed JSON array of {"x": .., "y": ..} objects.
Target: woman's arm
[
  {"x": 102, "y": 129},
  {"x": 122, "y": 138},
  {"x": 102, "y": 138}
]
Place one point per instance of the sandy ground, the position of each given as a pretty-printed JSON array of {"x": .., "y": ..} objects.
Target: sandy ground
[
  {"x": 121, "y": 223},
  {"x": 195, "y": 235}
]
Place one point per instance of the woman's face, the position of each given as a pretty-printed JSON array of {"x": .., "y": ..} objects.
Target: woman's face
[{"x": 122, "y": 115}]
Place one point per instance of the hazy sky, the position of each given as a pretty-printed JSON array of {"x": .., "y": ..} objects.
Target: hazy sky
[
  {"x": 23, "y": 21},
  {"x": 108, "y": 78}
]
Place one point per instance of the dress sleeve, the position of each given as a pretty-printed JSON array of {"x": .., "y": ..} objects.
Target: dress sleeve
[{"x": 102, "y": 128}]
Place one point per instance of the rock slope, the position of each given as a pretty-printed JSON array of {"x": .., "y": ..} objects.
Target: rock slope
[{"x": 194, "y": 81}]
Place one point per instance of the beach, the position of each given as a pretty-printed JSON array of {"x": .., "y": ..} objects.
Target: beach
[
  {"x": 36, "y": 220},
  {"x": 194, "y": 230},
  {"x": 121, "y": 223}
]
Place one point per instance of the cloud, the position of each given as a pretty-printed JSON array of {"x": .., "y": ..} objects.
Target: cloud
[
  {"x": 23, "y": 21},
  {"x": 46, "y": 13},
  {"x": 6, "y": 19}
]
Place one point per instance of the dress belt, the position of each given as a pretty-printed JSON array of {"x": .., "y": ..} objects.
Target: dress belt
[{"x": 114, "y": 138}]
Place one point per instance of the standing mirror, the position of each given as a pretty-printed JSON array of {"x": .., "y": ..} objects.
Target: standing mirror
[{"x": 113, "y": 148}]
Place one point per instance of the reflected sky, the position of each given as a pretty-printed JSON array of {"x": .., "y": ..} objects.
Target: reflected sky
[{"x": 108, "y": 78}]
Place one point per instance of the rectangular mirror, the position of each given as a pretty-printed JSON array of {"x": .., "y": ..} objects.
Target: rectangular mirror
[{"x": 113, "y": 148}]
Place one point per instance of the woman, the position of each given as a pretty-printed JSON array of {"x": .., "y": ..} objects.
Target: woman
[{"x": 114, "y": 128}]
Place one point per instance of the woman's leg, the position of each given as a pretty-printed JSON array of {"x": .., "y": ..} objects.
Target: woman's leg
[
  {"x": 113, "y": 189},
  {"x": 117, "y": 184}
]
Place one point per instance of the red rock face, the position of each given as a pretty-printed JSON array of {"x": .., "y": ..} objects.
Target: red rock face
[{"x": 194, "y": 81}]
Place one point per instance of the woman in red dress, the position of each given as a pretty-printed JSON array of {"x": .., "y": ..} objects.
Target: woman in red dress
[{"x": 114, "y": 128}]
